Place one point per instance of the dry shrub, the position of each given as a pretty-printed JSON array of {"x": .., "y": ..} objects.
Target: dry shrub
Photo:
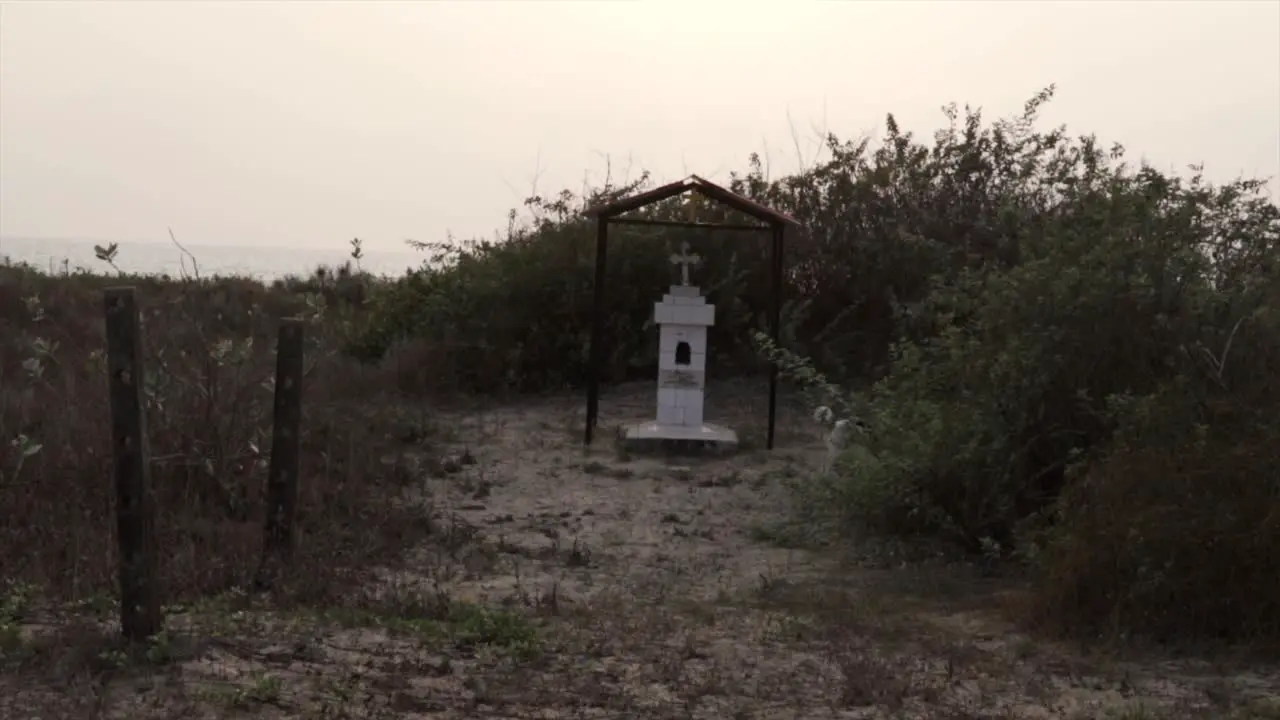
[
  {"x": 210, "y": 353},
  {"x": 416, "y": 367},
  {"x": 1171, "y": 544}
]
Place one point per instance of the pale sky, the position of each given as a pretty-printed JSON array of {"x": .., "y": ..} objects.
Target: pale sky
[{"x": 308, "y": 123}]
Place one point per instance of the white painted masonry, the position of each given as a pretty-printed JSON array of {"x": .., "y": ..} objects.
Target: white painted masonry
[{"x": 683, "y": 317}]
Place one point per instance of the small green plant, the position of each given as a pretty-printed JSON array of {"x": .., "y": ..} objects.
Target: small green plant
[
  {"x": 10, "y": 639},
  {"x": 15, "y": 602},
  {"x": 476, "y": 625},
  {"x": 156, "y": 651},
  {"x": 1136, "y": 711},
  {"x": 263, "y": 689},
  {"x": 159, "y": 649}
]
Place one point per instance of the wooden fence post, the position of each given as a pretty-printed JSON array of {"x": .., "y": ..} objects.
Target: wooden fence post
[
  {"x": 282, "y": 481},
  {"x": 135, "y": 508}
]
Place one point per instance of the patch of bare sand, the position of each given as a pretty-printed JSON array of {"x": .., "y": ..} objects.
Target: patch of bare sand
[
  {"x": 662, "y": 587},
  {"x": 572, "y": 584}
]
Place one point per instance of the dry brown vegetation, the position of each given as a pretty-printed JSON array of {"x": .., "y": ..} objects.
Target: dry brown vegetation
[
  {"x": 210, "y": 362},
  {"x": 468, "y": 559}
]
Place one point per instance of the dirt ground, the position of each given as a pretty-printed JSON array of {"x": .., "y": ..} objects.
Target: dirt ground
[{"x": 572, "y": 584}]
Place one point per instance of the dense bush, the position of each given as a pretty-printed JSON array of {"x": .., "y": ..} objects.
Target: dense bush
[
  {"x": 1086, "y": 378},
  {"x": 1060, "y": 356}
]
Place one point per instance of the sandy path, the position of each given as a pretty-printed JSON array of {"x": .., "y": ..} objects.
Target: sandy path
[{"x": 678, "y": 529}]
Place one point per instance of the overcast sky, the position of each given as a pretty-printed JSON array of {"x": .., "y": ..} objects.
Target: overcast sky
[{"x": 305, "y": 124}]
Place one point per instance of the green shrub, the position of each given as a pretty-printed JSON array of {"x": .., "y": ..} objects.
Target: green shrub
[{"x": 1064, "y": 292}]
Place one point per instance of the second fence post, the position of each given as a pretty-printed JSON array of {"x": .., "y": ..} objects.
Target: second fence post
[
  {"x": 135, "y": 508},
  {"x": 282, "y": 479}
]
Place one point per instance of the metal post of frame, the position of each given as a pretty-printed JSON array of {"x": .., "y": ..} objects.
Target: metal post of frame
[
  {"x": 594, "y": 349},
  {"x": 775, "y": 322}
]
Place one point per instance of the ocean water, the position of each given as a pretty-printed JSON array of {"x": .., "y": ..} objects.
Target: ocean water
[{"x": 264, "y": 263}]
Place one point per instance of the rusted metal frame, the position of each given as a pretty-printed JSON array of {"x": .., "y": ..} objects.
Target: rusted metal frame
[
  {"x": 687, "y": 224},
  {"x": 609, "y": 213}
]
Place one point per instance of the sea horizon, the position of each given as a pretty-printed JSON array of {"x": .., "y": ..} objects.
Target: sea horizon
[{"x": 265, "y": 263}]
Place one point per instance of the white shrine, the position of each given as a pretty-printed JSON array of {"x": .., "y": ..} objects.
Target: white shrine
[{"x": 682, "y": 318}]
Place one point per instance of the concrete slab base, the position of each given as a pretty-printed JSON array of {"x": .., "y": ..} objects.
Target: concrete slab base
[{"x": 653, "y": 437}]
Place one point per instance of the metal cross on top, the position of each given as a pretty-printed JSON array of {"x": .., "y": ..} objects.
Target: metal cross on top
[{"x": 684, "y": 259}]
